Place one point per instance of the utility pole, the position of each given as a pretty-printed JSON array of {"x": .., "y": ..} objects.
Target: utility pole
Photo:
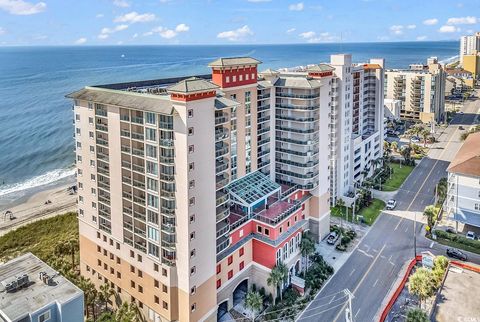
[
  {"x": 415, "y": 235},
  {"x": 348, "y": 310}
]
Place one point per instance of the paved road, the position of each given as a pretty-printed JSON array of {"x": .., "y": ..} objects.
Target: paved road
[{"x": 374, "y": 266}]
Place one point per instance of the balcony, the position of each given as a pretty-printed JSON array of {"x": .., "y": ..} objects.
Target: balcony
[
  {"x": 222, "y": 244},
  {"x": 139, "y": 199},
  {"x": 168, "y": 228},
  {"x": 221, "y": 118},
  {"x": 167, "y": 177},
  {"x": 263, "y": 141},
  {"x": 127, "y": 179},
  {"x": 263, "y": 119},
  {"x": 308, "y": 164},
  {"x": 139, "y": 215},
  {"x": 299, "y": 96},
  {"x": 125, "y": 133},
  {"x": 166, "y": 143},
  {"x": 101, "y": 127},
  {"x": 125, "y": 148},
  {"x": 138, "y": 152},
  {"x": 221, "y": 133},
  {"x": 138, "y": 168},
  {"x": 221, "y": 166},
  {"x": 167, "y": 159},
  {"x": 297, "y": 107},
  {"x": 104, "y": 199},
  {"x": 101, "y": 112},
  {"x": 139, "y": 184},
  {"x": 223, "y": 227},
  {"x": 102, "y": 142},
  {"x": 263, "y": 130},
  {"x": 221, "y": 198},
  {"x": 138, "y": 136},
  {"x": 263, "y": 107},
  {"x": 124, "y": 118},
  {"x": 221, "y": 181},
  {"x": 296, "y": 130},
  {"x": 127, "y": 195},
  {"x": 222, "y": 212},
  {"x": 220, "y": 150},
  {"x": 136, "y": 119}
]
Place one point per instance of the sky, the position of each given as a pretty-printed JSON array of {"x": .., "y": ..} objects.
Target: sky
[{"x": 140, "y": 22}]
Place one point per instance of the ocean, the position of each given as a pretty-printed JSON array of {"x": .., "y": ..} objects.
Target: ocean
[{"x": 36, "y": 131}]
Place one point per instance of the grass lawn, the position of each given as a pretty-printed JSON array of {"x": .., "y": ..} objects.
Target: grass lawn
[
  {"x": 371, "y": 212},
  {"x": 39, "y": 237},
  {"x": 398, "y": 177}
]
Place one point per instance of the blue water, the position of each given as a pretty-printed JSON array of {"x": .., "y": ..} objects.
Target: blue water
[{"x": 36, "y": 143}]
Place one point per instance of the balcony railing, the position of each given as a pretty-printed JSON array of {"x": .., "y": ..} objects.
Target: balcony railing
[{"x": 300, "y": 96}]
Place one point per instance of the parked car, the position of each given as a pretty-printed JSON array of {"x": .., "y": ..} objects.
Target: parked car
[
  {"x": 461, "y": 128},
  {"x": 461, "y": 112},
  {"x": 451, "y": 230},
  {"x": 332, "y": 238},
  {"x": 391, "y": 204},
  {"x": 470, "y": 235},
  {"x": 455, "y": 253},
  {"x": 414, "y": 139}
]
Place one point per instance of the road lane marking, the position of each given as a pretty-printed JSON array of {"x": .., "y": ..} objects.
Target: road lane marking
[
  {"x": 357, "y": 313},
  {"x": 375, "y": 284},
  {"x": 390, "y": 258},
  {"x": 398, "y": 223},
  {"x": 431, "y": 245},
  {"x": 406, "y": 229},
  {"x": 361, "y": 281},
  {"x": 365, "y": 253},
  {"x": 353, "y": 270},
  {"x": 374, "y": 250},
  {"x": 333, "y": 298}
]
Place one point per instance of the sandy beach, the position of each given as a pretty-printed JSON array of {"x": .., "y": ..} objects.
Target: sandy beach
[{"x": 34, "y": 208}]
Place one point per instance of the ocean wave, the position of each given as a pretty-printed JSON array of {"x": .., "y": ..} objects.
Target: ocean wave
[
  {"x": 450, "y": 59},
  {"x": 41, "y": 180}
]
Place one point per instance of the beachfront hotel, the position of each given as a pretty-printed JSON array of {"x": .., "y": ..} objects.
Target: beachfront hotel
[
  {"x": 421, "y": 90},
  {"x": 192, "y": 189},
  {"x": 469, "y": 45}
]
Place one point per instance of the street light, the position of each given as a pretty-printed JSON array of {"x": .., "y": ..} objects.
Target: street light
[{"x": 415, "y": 234}]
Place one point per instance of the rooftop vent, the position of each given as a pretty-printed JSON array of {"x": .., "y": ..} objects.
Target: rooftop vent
[{"x": 15, "y": 283}]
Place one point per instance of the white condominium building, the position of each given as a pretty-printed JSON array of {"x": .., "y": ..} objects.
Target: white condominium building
[
  {"x": 421, "y": 91},
  {"x": 469, "y": 45}
]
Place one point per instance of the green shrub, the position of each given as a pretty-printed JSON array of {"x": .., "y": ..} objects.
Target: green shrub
[{"x": 458, "y": 239}]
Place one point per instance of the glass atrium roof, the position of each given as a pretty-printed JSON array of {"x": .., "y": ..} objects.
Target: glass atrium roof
[{"x": 253, "y": 187}]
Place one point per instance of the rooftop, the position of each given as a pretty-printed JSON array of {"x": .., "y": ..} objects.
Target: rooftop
[
  {"x": 253, "y": 187},
  {"x": 192, "y": 85},
  {"x": 35, "y": 294},
  {"x": 320, "y": 68},
  {"x": 467, "y": 159},
  {"x": 458, "y": 300},
  {"x": 234, "y": 61}
]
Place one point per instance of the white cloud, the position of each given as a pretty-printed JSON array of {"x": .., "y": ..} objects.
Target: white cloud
[
  {"x": 397, "y": 29},
  {"x": 447, "y": 29},
  {"x": 105, "y": 32},
  {"x": 312, "y": 37},
  {"x": 135, "y": 35},
  {"x": 133, "y": 17},
  {"x": 121, "y": 3},
  {"x": 462, "y": 21},
  {"x": 166, "y": 32},
  {"x": 430, "y": 22},
  {"x": 80, "y": 41},
  {"x": 22, "y": 8},
  {"x": 182, "y": 28},
  {"x": 470, "y": 31},
  {"x": 256, "y": 1},
  {"x": 100, "y": 15},
  {"x": 237, "y": 34},
  {"x": 383, "y": 38},
  {"x": 296, "y": 6},
  {"x": 420, "y": 38},
  {"x": 411, "y": 26},
  {"x": 289, "y": 31},
  {"x": 2, "y": 31}
]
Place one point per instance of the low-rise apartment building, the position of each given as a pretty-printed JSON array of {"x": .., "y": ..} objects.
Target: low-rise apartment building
[
  {"x": 463, "y": 196},
  {"x": 421, "y": 91},
  {"x": 31, "y": 291},
  {"x": 190, "y": 187}
]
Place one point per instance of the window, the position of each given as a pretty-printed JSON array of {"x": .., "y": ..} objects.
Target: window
[
  {"x": 152, "y": 168},
  {"x": 140, "y": 273},
  {"x": 191, "y": 166},
  {"x": 191, "y": 184},
  {"x": 156, "y": 299},
  {"x": 241, "y": 252},
  {"x": 77, "y": 117},
  {"x": 234, "y": 78},
  {"x": 150, "y": 118},
  {"x": 132, "y": 284},
  {"x": 191, "y": 201},
  {"x": 132, "y": 269},
  {"x": 92, "y": 149},
  {"x": 155, "y": 267},
  {"x": 267, "y": 232},
  {"x": 91, "y": 134},
  {"x": 152, "y": 218},
  {"x": 230, "y": 274},
  {"x": 93, "y": 191},
  {"x": 132, "y": 254},
  {"x": 164, "y": 273},
  {"x": 259, "y": 229},
  {"x": 247, "y": 76},
  {"x": 190, "y": 113},
  {"x": 151, "y": 134},
  {"x": 92, "y": 177},
  {"x": 193, "y": 270},
  {"x": 119, "y": 275},
  {"x": 90, "y": 120},
  {"x": 164, "y": 288},
  {"x": 193, "y": 253},
  {"x": 79, "y": 145},
  {"x": 152, "y": 201},
  {"x": 219, "y": 268},
  {"x": 94, "y": 205},
  {"x": 194, "y": 307},
  {"x": 219, "y": 283},
  {"x": 193, "y": 290},
  {"x": 227, "y": 79},
  {"x": 191, "y": 148},
  {"x": 192, "y": 219},
  {"x": 476, "y": 206},
  {"x": 230, "y": 260},
  {"x": 153, "y": 233},
  {"x": 240, "y": 77},
  {"x": 140, "y": 288},
  {"x": 190, "y": 131},
  {"x": 241, "y": 266},
  {"x": 192, "y": 235},
  {"x": 139, "y": 258},
  {"x": 165, "y": 305},
  {"x": 151, "y": 151},
  {"x": 44, "y": 316}
]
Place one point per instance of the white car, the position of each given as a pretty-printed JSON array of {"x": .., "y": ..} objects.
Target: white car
[
  {"x": 414, "y": 139},
  {"x": 470, "y": 235},
  {"x": 391, "y": 204}
]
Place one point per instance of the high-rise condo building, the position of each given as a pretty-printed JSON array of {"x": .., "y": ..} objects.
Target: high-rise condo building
[
  {"x": 469, "y": 45},
  {"x": 193, "y": 189},
  {"x": 421, "y": 89}
]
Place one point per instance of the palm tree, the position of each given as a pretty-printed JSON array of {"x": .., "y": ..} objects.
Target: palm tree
[
  {"x": 420, "y": 284},
  {"x": 254, "y": 302},
  {"x": 406, "y": 153},
  {"x": 394, "y": 146},
  {"x": 106, "y": 292},
  {"x": 431, "y": 213},
  {"x": 68, "y": 247},
  {"x": 417, "y": 315},
  {"x": 128, "y": 313},
  {"x": 90, "y": 294},
  {"x": 441, "y": 189},
  {"x": 276, "y": 279},
  {"x": 340, "y": 204},
  {"x": 307, "y": 248},
  {"x": 424, "y": 134}
]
